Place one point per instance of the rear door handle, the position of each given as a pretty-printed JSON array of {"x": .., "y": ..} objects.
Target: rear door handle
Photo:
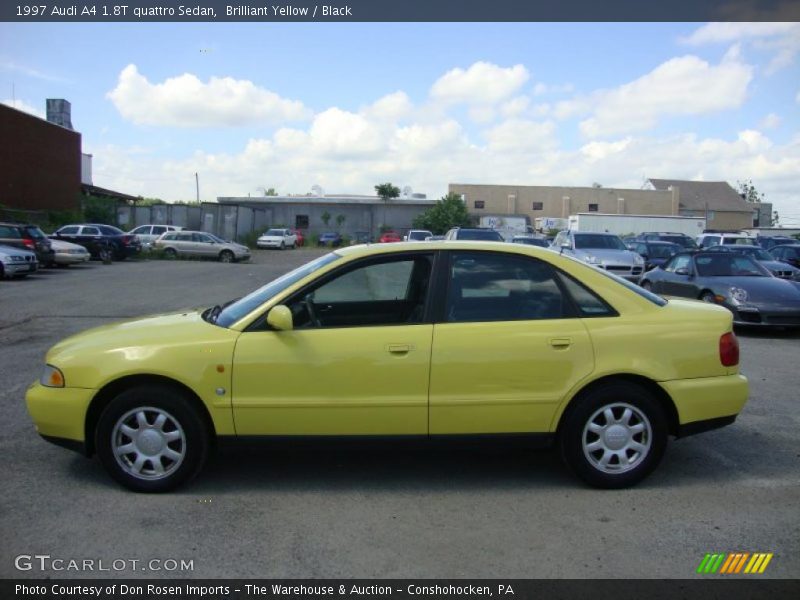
[{"x": 560, "y": 343}]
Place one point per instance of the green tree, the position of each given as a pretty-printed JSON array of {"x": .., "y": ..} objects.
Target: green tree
[
  {"x": 326, "y": 218},
  {"x": 340, "y": 219},
  {"x": 448, "y": 212},
  {"x": 386, "y": 191},
  {"x": 749, "y": 192}
]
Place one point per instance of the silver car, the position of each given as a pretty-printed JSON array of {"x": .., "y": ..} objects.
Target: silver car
[
  {"x": 15, "y": 262},
  {"x": 67, "y": 253},
  {"x": 200, "y": 244},
  {"x": 603, "y": 250},
  {"x": 148, "y": 234}
]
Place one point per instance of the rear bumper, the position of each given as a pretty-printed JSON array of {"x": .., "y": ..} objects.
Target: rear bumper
[{"x": 708, "y": 402}]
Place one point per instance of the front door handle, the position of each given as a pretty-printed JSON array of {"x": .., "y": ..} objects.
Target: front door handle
[
  {"x": 398, "y": 348},
  {"x": 560, "y": 343}
]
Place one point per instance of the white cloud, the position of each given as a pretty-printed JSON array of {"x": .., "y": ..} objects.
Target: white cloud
[
  {"x": 595, "y": 151},
  {"x": 185, "y": 101},
  {"x": 392, "y": 106},
  {"x": 781, "y": 39},
  {"x": 482, "y": 83},
  {"x": 482, "y": 114},
  {"x": 23, "y": 106},
  {"x": 8, "y": 65},
  {"x": 518, "y": 135},
  {"x": 515, "y": 106},
  {"x": 543, "y": 88},
  {"x": 771, "y": 121},
  {"x": 681, "y": 86}
]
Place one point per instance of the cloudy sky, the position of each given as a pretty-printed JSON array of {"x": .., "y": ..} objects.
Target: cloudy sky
[{"x": 346, "y": 106}]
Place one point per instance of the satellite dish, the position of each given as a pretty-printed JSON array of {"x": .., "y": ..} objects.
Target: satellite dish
[{"x": 407, "y": 191}]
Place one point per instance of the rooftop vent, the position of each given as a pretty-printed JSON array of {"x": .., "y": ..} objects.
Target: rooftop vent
[{"x": 59, "y": 112}]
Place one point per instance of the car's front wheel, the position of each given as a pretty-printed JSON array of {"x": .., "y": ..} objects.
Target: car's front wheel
[
  {"x": 151, "y": 439},
  {"x": 614, "y": 436},
  {"x": 647, "y": 285},
  {"x": 226, "y": 256}
]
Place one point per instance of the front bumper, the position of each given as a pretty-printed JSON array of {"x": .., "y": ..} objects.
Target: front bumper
[
  {"x": 707, "y": 399},
  {"x": 70, "y": 259},
  {"x": 752, "y": 316},
  {"x": 59, "y": 413},
  {"x": 12, "y": 269},
  {"x": 269, "y": 243}
]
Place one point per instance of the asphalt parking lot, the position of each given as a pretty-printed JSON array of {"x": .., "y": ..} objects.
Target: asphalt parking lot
[{"x": 379, "y": 509}]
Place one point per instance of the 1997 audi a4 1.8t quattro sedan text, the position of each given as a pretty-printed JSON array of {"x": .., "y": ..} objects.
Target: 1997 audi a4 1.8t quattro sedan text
[{"x": 453, "y": 338}]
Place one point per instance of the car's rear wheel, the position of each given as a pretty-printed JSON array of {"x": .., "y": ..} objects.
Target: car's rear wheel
[
  {"x": 170, "y": 253},
  {"x": 151, "y": 439},
  {"x": 226, "y": 256},
  {"x": 614, "y": 435}
]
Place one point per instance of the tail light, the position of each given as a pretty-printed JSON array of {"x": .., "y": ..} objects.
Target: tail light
[
  {"x": 29, "y": 243},
  {"x": 729, "y": 350}
]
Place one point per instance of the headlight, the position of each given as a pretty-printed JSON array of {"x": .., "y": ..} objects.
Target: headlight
[
  {"x": 638, "y": 260},
  {"x": 16, "y": 258},
  {"x": 592, "y": 260},
  {"x": 738, "y": 295},
  {"x": 52, "y": 377}
]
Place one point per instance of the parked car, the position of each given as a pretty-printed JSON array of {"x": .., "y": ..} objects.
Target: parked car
[
  {"x": 147, "y": 234},
  {"x": 100, "y": 240},
  {"x": 27, "y": 237},
  {"x": 655, "y": 253},
  {"x": 769, "y": 242},
  {"x": 67, "y": 254},
  {"x": 418, "y": 235},
  {"x": 788, "y": 253},
  {"x": 474, "y": 234},
  {"x": 202, "y": 245},
  {"x": 732, "y": 280},
  {"x": 706, "y": 240},
  {"x": 330, "y": 238},
  {"x": 16, "y": 262},
  {"x": 277, "y": 238},
  {"x": 683, "y": 240},
  {"x": 530, "y": 241},
  {"x": 603, "y": 250},
  {"x": 389, "y": 237},
  {"x": 438, "y": 339},
  {"x": 764, "y": 258},
  {"x": 301, "y": 239}
]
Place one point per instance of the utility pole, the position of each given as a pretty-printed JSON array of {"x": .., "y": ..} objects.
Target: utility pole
[{"x": 197, "y": 186}]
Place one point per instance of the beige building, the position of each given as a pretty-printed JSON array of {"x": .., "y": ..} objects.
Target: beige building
[
  {"x": 726, "y": 209},
  {"x": 536, "y": 201}
]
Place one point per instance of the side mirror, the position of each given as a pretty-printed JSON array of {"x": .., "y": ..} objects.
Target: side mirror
[
  {"x": 280, "y": 318},
  {"x": 566, "y": 245},
  {"x": 682, "y": 271}
]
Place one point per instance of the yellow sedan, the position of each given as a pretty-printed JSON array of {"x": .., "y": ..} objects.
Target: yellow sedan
[{"x": 438, "y": 339}]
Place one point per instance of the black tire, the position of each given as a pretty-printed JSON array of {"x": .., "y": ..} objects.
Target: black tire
[
  {"x": 647, "y": 286},
  {"x": 170, "y": 253},
  {"x": 283, "y": 246},
  {"x": 708, "y": 297},
  {"x": 106, "y": 255},
  {"x": 577, "y": 440},
  {"x": 191, "y": 444},
  {"x": 226, "y": 256}
]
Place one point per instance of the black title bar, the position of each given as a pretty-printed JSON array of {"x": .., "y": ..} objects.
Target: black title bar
[{"x": 272, "y": 11}]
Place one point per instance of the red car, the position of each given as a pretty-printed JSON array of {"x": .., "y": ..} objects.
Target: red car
[
  {"x": 390, "y": 236},
  {"x": 301, "y": 240}
]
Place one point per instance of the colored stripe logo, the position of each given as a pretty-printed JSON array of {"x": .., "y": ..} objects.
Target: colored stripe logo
[{"x": 734, "y": 563}]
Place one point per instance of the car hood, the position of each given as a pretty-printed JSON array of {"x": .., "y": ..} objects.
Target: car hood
[
  {"x": 761, "y": 291},
  {"x": 776, "y": 265},
  {"x": 604, "y": 255},
  {"x": 270, "y": 237},
  {"x": 135, "y": 338},
  {"x": 62, "y": 245}
]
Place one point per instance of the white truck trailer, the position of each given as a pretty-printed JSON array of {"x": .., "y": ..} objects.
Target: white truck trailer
[
  {"x": 507, "y": 225},
  {"x": 623, "y": 225}
]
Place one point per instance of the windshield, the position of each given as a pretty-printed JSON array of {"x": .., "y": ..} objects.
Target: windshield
[
  {"x": 477, "y": 234},
  {"x": 216, "y": 239},
  {"x": 110, "y": 230},
  {"x": 729, "y": 265},
  {"x": 419, "y": 235},
  {"x": 35, "y": 232},
  {"x": 235, "y": 311},
  {"x": 662, "y": 250},
  {"x": 278, "y": 232},
  {"x": 682, "y": 241},
  {"x": 605, "y": 242},
  {"x": 756, "y": 253}
]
